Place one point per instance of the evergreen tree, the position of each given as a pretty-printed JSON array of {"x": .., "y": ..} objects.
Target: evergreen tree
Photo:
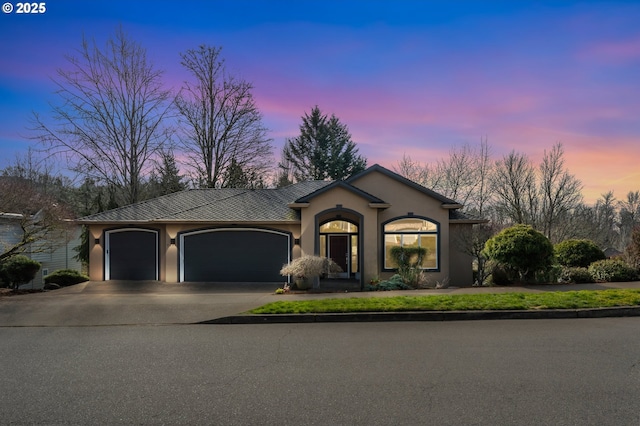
[
  {"x": 323, "y": 150},
  {"x": 165, "y": 177},
  {"x": 238, "y": 177}
]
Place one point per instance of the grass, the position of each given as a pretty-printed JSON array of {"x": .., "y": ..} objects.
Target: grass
[{"x": 461, "y": 302}]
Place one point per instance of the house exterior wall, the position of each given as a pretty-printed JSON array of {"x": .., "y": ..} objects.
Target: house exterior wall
[
  {"x": 460, "y": 263},
  {"x": 407, "y": 201},
  {"x": 62, "y": 256},
  {"x": 340, "y": 201}
]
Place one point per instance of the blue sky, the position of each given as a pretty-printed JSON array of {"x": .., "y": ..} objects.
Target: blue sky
[{"x": 414, "y": 77}]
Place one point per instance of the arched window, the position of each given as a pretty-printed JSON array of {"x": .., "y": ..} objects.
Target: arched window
[{"x": 411, "y": 232}]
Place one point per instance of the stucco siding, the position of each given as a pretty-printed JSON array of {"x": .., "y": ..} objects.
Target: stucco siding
[
  {"x": 405, "y": 201},
  {"x": 460, "y": 263}
]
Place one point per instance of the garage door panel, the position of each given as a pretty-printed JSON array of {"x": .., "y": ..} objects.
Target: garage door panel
[
  {"x": 234, "y": 256},
  {"x": 132, "y": 255}
]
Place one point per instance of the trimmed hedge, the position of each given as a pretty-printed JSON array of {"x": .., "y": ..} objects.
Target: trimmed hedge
[
  {"x": 65, "y": 277},
  {"x": 578, "y": 253},
  {"x": 522, "y": 251}
]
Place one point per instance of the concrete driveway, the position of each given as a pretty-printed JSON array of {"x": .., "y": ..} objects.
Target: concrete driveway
[
  {"x": 97, "y": 303},
  {"x": 132, "y": 302}
]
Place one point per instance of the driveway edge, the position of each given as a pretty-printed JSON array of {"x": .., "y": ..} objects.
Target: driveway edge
[{"x": 624, "y": 311}]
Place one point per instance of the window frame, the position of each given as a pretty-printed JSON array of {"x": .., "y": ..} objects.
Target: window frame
[{"x": 417, "y": 234}]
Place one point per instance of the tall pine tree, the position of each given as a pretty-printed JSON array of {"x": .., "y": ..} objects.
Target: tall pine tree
[{"x": 323, "y": 150}]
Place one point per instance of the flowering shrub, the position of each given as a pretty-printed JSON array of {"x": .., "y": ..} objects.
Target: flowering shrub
[
  {"x": 310, "y": 266},
  {"x": 612, "y": 270}
]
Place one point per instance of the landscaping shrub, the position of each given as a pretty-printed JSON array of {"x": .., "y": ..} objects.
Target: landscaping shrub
[
  {"x": 578, "y": 253},
  {"x": 18, "y": 270},
  {"x": 499, "y": 274},
  {"x": 522, "y": 251},
  {"x": 310, "y": 266},
  {"x": 611, "y": 270},
  {"x": 550, "y": 275},
  {"x": 65, "y": 277},
  {"x": 576, "y": 274},
  {"x": 396, "y": 282},
  {"x": 409, "y": 261}
]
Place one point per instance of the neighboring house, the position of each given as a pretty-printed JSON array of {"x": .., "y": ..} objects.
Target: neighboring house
[
  {"x": 52, "y": 255},
  {"x": 243, "y": 235}
]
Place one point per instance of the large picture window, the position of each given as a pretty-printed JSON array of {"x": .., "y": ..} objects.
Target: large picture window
[{"x": 411, "y": 232}]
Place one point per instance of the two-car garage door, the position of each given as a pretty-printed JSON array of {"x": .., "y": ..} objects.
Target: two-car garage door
[
  {"x": 216, "y": 255},
  {"x": 233, "y": 255}
]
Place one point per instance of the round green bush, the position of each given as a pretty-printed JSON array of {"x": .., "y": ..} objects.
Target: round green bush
[
  {"x": 578, "y": 253},
  {"x": 19, "y": 270},
  {"x": 576, "y": 274},
  {"x": 65, "y": 277},
  {"x": 612, "y": 270},
  {"x": 521, "y": 249}
]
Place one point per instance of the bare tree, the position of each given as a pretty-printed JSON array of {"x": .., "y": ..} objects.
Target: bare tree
[
  {"x": 463, "y": 176},
  {"x": 34, "y": 220},
  {"x": 424, "y": 174},
  {"x": 223, "y": 124},
  {"x": 513, "y": 183},
  {"x": 471, "y": 241},
  {"x": 458, "y": 174},
  {"x": 560, "y": 193},
  {"x": 109, "y": 115}
]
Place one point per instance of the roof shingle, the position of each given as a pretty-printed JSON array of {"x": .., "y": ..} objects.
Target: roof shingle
[{"x": 214, "y": 205}]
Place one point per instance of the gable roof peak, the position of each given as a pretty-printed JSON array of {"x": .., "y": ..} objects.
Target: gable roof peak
[{"x": 448, "y": 202}]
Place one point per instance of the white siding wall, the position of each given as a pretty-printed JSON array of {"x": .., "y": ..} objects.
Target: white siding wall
[{"x": 61, "y": 255}]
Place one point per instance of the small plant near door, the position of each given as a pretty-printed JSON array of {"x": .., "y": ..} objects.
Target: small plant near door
[
  {"x": 409, "y": 261},
  {"x": 306, "y": 269}
]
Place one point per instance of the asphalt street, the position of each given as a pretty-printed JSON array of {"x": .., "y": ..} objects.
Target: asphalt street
[{"x": 560, "y": 372}]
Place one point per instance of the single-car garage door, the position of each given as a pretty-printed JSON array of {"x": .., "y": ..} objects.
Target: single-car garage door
[
  {"x": 233, "y": 255},
  {"x": 131, "y": 254}
]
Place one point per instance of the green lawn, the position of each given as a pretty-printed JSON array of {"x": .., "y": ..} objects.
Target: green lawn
[{"x": 462, "y": 302}]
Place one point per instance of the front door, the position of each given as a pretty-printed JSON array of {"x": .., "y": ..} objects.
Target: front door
[{"x": 339, "y": 253}]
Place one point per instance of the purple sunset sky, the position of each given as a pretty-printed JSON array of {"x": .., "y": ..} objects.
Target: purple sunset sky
[{"x": 414, "y": 77}]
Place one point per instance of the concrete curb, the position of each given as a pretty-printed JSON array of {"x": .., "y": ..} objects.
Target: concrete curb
[{"x": 624, "y": 311}]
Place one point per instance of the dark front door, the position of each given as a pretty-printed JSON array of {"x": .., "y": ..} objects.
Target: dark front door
[{"x": 339, "y": 252}]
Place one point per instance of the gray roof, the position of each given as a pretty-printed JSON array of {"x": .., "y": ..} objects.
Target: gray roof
[
  {"x": 340, "y": 184},
  {"x": 465, "y": 217},
  {"x": 214, "y": 205}
]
